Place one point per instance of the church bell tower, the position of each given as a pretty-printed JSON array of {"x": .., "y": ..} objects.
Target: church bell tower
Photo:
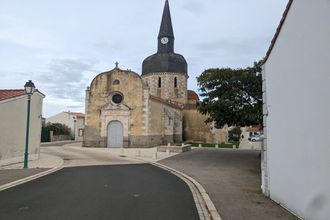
[{"x": 166, "y": 71}]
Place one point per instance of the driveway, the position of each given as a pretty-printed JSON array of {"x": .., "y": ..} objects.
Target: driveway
[{"x": 232, "y": 179}]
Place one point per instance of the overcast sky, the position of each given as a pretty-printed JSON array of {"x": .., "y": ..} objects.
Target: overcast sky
[{"x": 63, "y": 44}]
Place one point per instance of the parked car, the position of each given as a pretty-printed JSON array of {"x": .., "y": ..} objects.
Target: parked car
[{"x": 256, "y": 138}]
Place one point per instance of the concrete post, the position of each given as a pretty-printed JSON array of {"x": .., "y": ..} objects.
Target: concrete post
[
  {"x": 51, "y": 136},
  {"x": 155, "y": 156}
]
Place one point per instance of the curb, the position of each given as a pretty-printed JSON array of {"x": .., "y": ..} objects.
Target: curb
[
  {"x": 33, "y": 177},
  {"x": 205, "y": 206}
]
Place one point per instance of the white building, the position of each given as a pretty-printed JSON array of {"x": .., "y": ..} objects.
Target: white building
[
  {"x": 74, "y": 120},
  {"x": 296, "y": 74},
  {"x": 13, "y": 116}
]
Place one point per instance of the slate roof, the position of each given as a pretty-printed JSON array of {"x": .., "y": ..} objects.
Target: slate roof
[
  {"x": 11, "y": 93},
  {"x": 165, "y": 60},
  {"x": 166, "y": 29},
  {"x": 278, "y": 30}
]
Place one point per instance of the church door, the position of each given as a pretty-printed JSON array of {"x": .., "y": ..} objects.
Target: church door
[{"x": 115, "y": 134}]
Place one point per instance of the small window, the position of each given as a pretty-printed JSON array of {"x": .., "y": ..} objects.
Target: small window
[
  {"x": 159, "y": 82},
  {"x": 116, "y": 82},
  {"x": 117, "y": 98},
  {"x": 175, "y": 82},
  {"x": 81, "y": 132}
]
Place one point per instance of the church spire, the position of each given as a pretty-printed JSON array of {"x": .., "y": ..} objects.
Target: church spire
[
  {"x": 166, "y": 35},
  {"x": 166, "y": 29},
  {"x": 165, "y": 60}
]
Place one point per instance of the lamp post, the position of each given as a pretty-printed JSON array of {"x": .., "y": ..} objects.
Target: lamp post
[{"x": 29, "y": 89}]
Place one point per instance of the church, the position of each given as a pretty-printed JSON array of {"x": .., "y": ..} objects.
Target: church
[{"x": 126, "y": 109}]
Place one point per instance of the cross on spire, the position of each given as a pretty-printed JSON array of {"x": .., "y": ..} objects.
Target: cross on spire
[{"x": 116, "y": 64}]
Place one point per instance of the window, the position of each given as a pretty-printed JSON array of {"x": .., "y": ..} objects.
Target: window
[
  {"x": 117, "y": 98},
  {"x": 81, "y": 132},
  {"x": 116, "y": 82},
  {"x": 175, "y": 82},
  {"x": 159, "y": 82}
]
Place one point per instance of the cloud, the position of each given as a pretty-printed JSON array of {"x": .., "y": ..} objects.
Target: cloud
[
  {"x": 194, "y": 6},
  {"x": 16, "y": 31},
  {"x": 38, "y": 44},
  {"x": 109, "y": 46},
  {"x": 65, "y": 81},
  {"x": 238, "y": 47}
]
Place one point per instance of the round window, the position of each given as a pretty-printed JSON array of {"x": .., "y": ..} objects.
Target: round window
[{"x": 117, "y": 98}]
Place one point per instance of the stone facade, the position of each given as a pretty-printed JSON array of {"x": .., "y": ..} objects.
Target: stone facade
[
  {"x": 167, "y": 85},
  {"x": 147, "y": 121},
  {"x": 194, "y": 127}
]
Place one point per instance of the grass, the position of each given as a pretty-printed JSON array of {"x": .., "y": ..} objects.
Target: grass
[{"x": 229, "y": 145}]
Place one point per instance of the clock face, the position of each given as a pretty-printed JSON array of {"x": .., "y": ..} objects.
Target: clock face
[{"x": 164, "y": 40}]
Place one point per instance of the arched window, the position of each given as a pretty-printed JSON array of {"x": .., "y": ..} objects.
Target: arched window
[
  {"x": 159, "y": 82},
  {"x": 175, "y": 82},
  {"x": 116, "y": 82}
]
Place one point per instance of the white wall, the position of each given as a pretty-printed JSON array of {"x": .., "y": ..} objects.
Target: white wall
[
  {"x": 13, "y": 113},
  {"x": 298, "y": 100}
]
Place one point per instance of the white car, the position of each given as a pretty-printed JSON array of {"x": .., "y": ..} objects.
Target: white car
[{"x": 255, "y": 138}]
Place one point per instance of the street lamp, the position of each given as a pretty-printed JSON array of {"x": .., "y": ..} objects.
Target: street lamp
[{"x": 29, "y": 89}]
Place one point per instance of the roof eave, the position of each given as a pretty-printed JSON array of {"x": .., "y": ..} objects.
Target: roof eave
[{"x": 278, "y": 31}]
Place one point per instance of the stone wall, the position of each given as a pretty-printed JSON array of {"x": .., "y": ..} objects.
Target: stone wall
[
  {"x": 166, "y": 123},
  {"x": 168, "y": 90},
  {"x": 59, "y": 137},
  {"x": 196, "y": 130}
]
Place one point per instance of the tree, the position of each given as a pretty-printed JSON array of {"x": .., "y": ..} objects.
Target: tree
[{"x": 232, "y": 96}]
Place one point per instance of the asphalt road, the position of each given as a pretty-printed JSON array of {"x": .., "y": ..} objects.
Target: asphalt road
[
  {"x": 138, "y": 191},
  {"x": 232, "y": 180}
]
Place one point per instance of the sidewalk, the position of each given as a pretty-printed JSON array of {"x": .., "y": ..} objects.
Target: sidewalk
[
  {"x": 58, "y": 143},
  {"x": 12, "y": 175},
  {"x": 136, "y": 154}
]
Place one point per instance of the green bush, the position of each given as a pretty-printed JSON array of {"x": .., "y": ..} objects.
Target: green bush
[{"x": 57, "y": 128}]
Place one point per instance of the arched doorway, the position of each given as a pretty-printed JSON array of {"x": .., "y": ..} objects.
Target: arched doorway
[{"x": 115, "y": 134}]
